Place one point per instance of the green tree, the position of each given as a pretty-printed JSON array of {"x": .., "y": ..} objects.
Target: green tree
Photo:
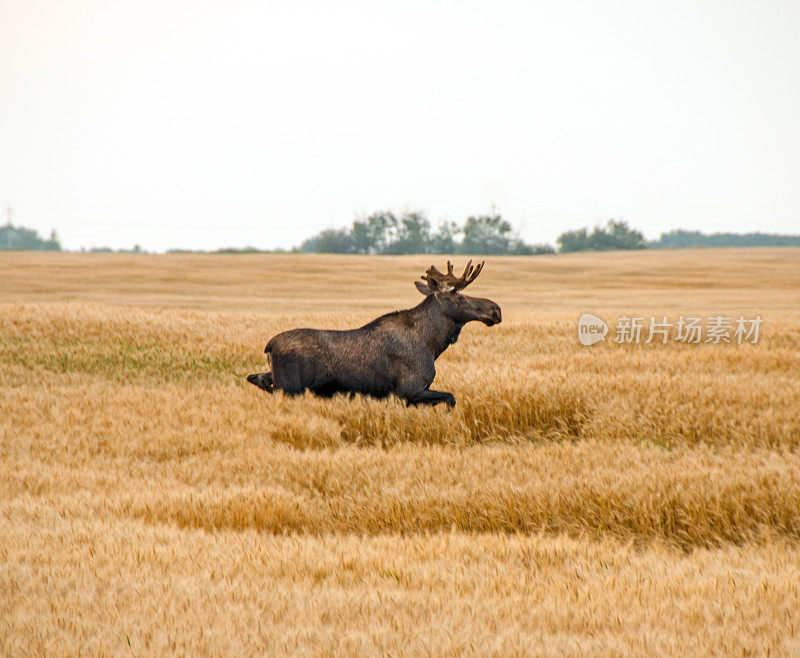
[
  {"x": 486, "y": 234},
  {"x": 413, "y": 235},
  {"x": 614, "y": 235},
  {"x": 329, "y": 241},
  {"x": 23, "y": 238},
  {"x": 623, "y": 236},
  {"x": 573, "y": 241},
  {"x": 444, "y": 240},
  {"x": 374, "y": 233},
  {"x": 519, "y": 248}
]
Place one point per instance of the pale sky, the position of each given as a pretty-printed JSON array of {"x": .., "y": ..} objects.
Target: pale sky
[{"x": 203, "y": 124}]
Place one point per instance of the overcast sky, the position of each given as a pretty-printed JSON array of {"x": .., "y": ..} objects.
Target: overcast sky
[{"x": 207, "y": 124}]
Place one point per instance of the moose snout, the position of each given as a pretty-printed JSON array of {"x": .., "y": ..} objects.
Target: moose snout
[{"x": 494, "y": 316}]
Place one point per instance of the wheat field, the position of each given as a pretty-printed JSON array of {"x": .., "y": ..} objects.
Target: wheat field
[{"x": 606, "y": 500}]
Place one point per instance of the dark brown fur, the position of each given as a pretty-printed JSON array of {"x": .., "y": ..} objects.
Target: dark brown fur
[{"x": 393, "y": 354}]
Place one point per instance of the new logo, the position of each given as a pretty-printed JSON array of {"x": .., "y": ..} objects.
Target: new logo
[{"x": 591, "y": 329}]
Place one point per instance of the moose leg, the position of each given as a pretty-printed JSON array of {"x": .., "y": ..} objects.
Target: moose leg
[
  {"x": 427, "y": 396},
  {"x": 261, "y": 379}
]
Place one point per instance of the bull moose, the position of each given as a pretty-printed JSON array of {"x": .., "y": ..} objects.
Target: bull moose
[{"x": 393, "y": 354}]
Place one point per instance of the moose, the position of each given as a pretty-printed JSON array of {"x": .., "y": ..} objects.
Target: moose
[{"x": 393, "y": 354}]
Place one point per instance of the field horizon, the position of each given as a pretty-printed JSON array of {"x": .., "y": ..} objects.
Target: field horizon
[{"x": 618, "y": 499}]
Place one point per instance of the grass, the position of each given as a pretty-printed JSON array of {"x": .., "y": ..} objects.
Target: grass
[{"x": 621, "y": 500}]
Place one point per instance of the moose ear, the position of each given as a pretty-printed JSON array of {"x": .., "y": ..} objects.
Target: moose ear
[{"x": 423, "y": 287}]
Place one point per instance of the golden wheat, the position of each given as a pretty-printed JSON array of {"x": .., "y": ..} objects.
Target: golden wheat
[{"x": 612, "y": 499}]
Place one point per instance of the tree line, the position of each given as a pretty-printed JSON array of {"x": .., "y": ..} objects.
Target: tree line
[
  {"x": 27, "y": 239},
  {"x": 411, "y": 233},
  {"x": 614, "y": 235},
  {"x": 680, "y": 239}
]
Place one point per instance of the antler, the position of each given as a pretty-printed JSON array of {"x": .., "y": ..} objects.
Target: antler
[{"x": 439, "y": 282}]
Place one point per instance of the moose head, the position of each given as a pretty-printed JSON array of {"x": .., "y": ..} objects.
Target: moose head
[{"x": 445, "y": 289}]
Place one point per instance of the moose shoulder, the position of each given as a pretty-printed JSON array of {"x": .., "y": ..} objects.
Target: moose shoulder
[{"x": 393, "y": 354}]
